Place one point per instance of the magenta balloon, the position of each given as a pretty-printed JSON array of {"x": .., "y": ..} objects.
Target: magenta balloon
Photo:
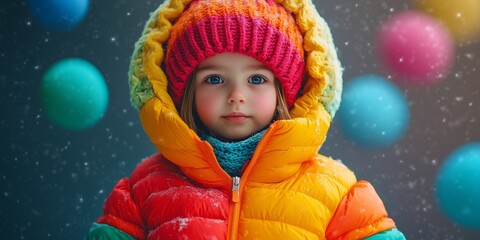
[{"x": 416, "y": 48}]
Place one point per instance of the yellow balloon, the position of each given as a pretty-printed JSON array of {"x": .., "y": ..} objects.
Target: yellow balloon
[{"x": 461, "y": 17}]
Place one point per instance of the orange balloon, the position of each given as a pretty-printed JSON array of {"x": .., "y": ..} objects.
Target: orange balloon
[{"x": 461, "y": 17}]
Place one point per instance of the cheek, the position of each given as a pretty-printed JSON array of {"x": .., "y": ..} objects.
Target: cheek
[
  {"x": 206, "y": 105},
  {"x": 266, "y": 103}
]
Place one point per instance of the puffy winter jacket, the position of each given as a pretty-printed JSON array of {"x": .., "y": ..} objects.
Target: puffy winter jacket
[
  {"x": 286, "y": 191},
  {"x": 290, "y": 199}
]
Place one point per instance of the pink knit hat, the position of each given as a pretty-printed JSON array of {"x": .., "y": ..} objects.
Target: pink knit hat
[{"x": 261, "y": 29}]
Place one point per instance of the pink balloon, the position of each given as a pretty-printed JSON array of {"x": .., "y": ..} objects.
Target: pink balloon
[{"x": 416, "y": 48}]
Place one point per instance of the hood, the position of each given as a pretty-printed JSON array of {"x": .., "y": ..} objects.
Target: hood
[{"x": 286, "y": 144}]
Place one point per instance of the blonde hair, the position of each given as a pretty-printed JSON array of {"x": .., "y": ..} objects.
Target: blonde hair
[{"x": 189, "y": 115}]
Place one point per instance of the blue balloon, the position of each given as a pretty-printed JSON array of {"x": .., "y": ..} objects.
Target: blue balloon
[
  {"x": 74, "y": 94},
  {"x": 374, "y": 113},
  {"x": 457, "y": 186},
  {"x": 59, "y": 15}
]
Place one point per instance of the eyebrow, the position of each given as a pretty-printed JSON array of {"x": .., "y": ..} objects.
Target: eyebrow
[{"x": 208, "y": 67}]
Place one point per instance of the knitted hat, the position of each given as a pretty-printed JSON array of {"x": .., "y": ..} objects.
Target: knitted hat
[{"x": 261, "y": 29}]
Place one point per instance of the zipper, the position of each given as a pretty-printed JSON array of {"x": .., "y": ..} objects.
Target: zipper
[
  {"x": 236, "y": 189},
  {"x": 234, "y": 209}
]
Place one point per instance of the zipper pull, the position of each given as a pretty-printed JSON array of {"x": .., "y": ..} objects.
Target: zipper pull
[{"x": 236, "y": 189}]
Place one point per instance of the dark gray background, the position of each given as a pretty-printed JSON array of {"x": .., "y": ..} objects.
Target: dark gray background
[{"x": 53, "y": 182}]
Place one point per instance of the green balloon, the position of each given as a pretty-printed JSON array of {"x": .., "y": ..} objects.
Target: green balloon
[{"x": 74, "y": 94}]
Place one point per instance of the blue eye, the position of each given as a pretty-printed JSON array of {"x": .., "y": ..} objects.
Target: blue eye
[
  {"x": 256, "y": 79},
  {"x": 214, "y": 79}
]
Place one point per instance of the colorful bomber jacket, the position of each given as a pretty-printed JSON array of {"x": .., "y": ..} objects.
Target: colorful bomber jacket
[{"x": 286, "y": 191}]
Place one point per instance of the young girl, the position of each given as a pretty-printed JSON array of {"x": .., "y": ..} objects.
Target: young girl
[{"x": 238, "y": 97}]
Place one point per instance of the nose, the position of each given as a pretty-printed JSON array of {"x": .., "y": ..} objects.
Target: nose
[{"x": 236, "y": 95}]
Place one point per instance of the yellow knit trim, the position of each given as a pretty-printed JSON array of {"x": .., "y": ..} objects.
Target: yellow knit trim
[
  {"x": 324, "y": 83},
  {"x": 322, "y": 90}
]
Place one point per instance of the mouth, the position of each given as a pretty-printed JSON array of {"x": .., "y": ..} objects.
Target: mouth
[{"x": 235, "y": 117}]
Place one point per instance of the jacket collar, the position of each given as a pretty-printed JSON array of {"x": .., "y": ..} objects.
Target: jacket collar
[{"x": 286, "y": 145}]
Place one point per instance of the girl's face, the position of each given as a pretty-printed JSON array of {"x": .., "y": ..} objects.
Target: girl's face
[{"x": 235, "y": 95}]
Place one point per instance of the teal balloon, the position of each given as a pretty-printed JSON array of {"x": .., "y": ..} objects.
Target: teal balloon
[
  {"x": 59, "y": 15},
  {"x": 457, "y": 186},
  {"x": 74, "y": 94},
  {"x": 374, "y": 113}
]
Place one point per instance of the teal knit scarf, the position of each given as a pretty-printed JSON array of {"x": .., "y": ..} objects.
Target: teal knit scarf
[{"x": 232, "y": 155}]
